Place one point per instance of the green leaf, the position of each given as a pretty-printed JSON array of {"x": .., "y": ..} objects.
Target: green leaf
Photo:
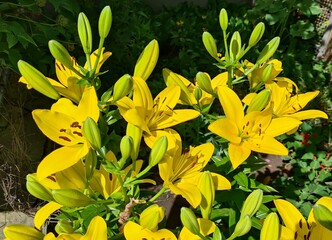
[
  {"x": 71, "y": 6},
  {"x": 303, "y": 29},
  {"x": 308, "y": 155},
  {"x": 242, "y": 180},
  {"x": 11, "y": 40}
]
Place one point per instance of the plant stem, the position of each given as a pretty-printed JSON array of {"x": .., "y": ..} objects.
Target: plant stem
[{"x": 158, "y": 194}]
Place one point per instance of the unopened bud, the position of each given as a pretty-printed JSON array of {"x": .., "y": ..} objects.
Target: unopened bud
[
  {"x": 126, "y": 146},
  {"x": 189, "y": 220},
  {"x": 37, "y": 80},
  {"x": 323, "y": 215},
  {"x": 266, "y": 75},
  {"x": 22, "y": 232},
  {"x": 36, "y": 189},
  {"x": 71, "y": 198},
  {"x": 147, "y": 60},
  {"x": 90, "y": 164},
  {"x": 204, "y": 81},
  {"x": 223, "y": 19},
  {"x": 268, "y": 50},
  {"x": 256, "y": 34},
  {"x": 60, "y": 53},
  {"x": 235, "y": 45},
  {"x": 242, "y": 227},
  {"x": 210, "y": 44},
  {"x": 252, "y": 203},
  {"x": 136, "y": 134},
  {"x": 84, "y": 32},
  {"x": 198, "y": 93},
  {"x": 105, "y": 22},
  {"x": 92, "y": 133},
  {"x": 207, "y": 189},
  {"x": 270, "y": 229},
  {"x": 260, "y": 101},
  {"x": 63, "y": 226},
  {"x": 151, "y": 217},
  {"x": 158, "y": 150},
  {"x": 122, "y": 87}
]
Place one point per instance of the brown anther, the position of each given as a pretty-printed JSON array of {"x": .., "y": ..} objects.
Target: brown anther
[
  {"x": 65, "y": 138},
  {"x": 78, "y": 133},
  {"x": 247, "y": 124},
  {"x": 295, "y": 236},
  {"x": 300, "y": 224},
  {"x": 76, "y": 125},
  {"x": 57, "y": 65},
  {"x": 63, "y": 67},
  {"x": 62, "y": 130}
]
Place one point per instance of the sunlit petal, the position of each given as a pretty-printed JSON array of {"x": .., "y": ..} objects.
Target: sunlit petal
[
  {"x": 309, "y": 114},
  {"x": 97, "y": 229},
  {"x": 281, "y": 125},
  {"x": 227, "y": 129},
  {"x": 189, "y": 191},
  {"x": 220, "y": 182},
  {"x": 142, "y": 95},
  {"x": 44, "y": 212},
  {"x": 267, "y": 145},
  {"x": 238, "y": 153}
]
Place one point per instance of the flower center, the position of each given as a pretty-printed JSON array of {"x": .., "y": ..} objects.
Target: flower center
[
  {"x": 74, "y": 131},
  {"x": 303, "y": 232}
]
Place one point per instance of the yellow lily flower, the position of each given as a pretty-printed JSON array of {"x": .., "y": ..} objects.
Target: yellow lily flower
[
  {"x": 181, "y": 172},
  {"x": 67, "y": 85},
  {"x": 134, "y": 231},
  {"x": 254, "y": 131},
  {"x": 296, "y": 227},
  {"x": 63, "y": 124},
  {"x": 153, "y": 116},
  {"x": 206, "y": 227}
]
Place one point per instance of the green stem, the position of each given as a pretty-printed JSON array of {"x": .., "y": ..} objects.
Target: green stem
[
  {"x": 88, "y": 60},
  {"x": 230, "y": 76},
  {"x": 226, "y": 46},
  {"x": 100, "y": 47},
  {"x": 29, "y": 20},
  {"x": 158, "y": 194}
]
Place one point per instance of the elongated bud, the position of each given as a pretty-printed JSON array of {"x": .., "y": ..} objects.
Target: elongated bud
[
  {"x": 256, "y": 34},
  {"x": 151, "y": 217},
  {"x": 235, "y": 45},
  {"x": 158, "y": 150},
  {"x": 90, "y": 164},
  {"x": 270, "y": 229},
  {"x": 36, "y": 189},
  {"x": 217, "y": 235},
  {"x": 204, "y": 81},
  {"x": 105, "y": 22},
  {"x": 84, "y": 32},
  {"x": 198, "y": 93},
  {"x": 210, "y": 44},
  {"x": 242, "y": 227},
  {"x": 92, "y": 133},
  {"x": 122, "y": 87},
  {"x": 37, "y": 80},
  {"x": 268, "y": 50},
  {"x": 22, "y": 232},
  {"x": 260, "y": 101},
  {"x": 60, "y": 53},
  {"x": 147, "y": 60},
  {"x": 323, "y": 215},
  {"x": 126, "y": 146},
  {"x": 206, "y": 187},
  {"x": 71, "y": 198},
  {"x": 223, "y": 19},
  {"x": 189, "y": 220},
  {"x": 252, "y": 203},
  {"x": 63, "y": 226},
  {"x": 267, "y": 73}
]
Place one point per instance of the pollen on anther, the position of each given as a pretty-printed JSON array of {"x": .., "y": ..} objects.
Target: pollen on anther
[
  {"x": 78, "y": 133},
  {"x": 65, "y": 138}
]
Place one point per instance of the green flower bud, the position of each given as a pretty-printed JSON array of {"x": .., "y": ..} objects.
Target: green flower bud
[
  {"x": 37, "y": 80},
  {"x": 204, "y": 81},
  {"x": 64, "y": 226},
  {"x": 92, "y": 133},
  {"x": 235, "y": 45},
  {"x": 136, "y": 134},
  {"x": 84, "y": 32},
  {"x": 126, "y": 146},
  {"x": 147, "y": 60},
  {"x": 198, "y": 93},
  {"x": 268, "y": 50},
  {"x": 71, "y": 198},
  {"x": 210, "y": 44},
  {"x": 267, "y": 73},
  {"x": 252, "y": 203},
  {"x": 256, "y": 34},
  {"x": 36, "y": 189},
  {"x": 206, "y": 187},
  {"x": 242, "y": 227},
  {"x": 223, "y": 19},
  {"x": 122, "y": 87},
  {"x": 105, "y": 22},
  {"x": 22, "y": 232},
  {"x": 323, "y": 215},
  {"x": 151, "y": 217},
  {"x": 189, "y": 220},
  {"x": 90, "y": 164},
  {"x": 260, "y": 101},
  {"x": 158, "y": 150},
  {"x": 270, "y": 229},
  {"x": 60, "y": 53}
]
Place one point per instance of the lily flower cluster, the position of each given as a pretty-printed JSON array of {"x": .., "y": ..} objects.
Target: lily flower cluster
[{"x": 97, "y": 185}]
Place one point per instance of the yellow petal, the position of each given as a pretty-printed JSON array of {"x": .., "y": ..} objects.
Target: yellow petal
[
  {"x": 187, "y": 190},
  {"x": 238, "y": 153},
  {"x": 142, "y": 96},
  {"x": 320, "y": 233},
  {"x": 309, "y": 114},
  {"x": 173, "y": 139},
  {"x": 22, "y": 232},
  {"x": 61, "y": 159},
  {"x": 325, "y": 201},
  {"x": 97, "y": 229},
  {"x": 290, "y": 215},
  {"x": 267, "y": 145},
  {"x": 231, "y": 104},
  {"x": 136, "y": 117},
  {"x": 44, "y": 212},
  {"x": 206, "y": 226},
  {"x": 220, "y": 182},
  {"x": 301, "y": 100},
  {"x": 167, "y": 98},
  {"x": 133, "y": 231},
  {"x": 72, "y": 177},
  {"x": 247, "y": 99},
  {"x": 163, "y": 234},
  {"x": 281, "y": 125},
  {"x": 227, "y": 129},
  {"x": 286, "y": 234},
  {"x": 219, "y": 80},
  {"x": 88, "y": 106}
]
